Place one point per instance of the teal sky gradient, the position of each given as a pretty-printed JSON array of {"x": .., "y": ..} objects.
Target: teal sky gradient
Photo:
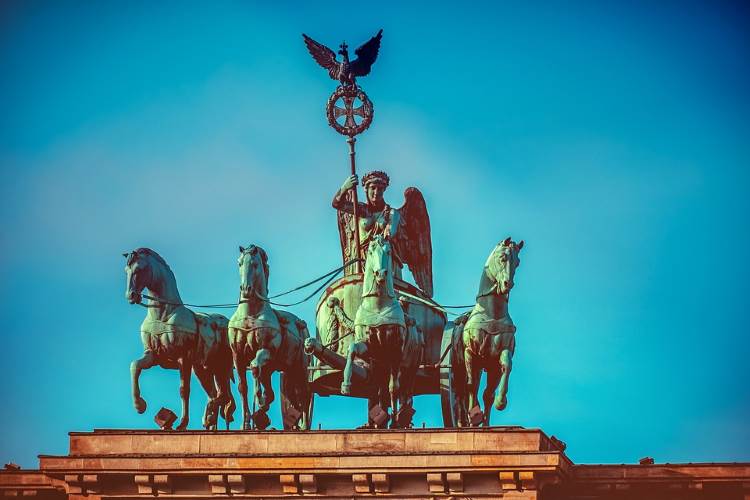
[{"x": 612, "y": 137}]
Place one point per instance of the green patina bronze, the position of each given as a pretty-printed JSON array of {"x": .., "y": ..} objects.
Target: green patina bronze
[
  {"x": 407, "y": 228},
  {"x": 177, "y": 338},
  {"x": 376, "y": 336},
  {"x": 484, "y": 339},
  {"x": 268, "y": 340}
]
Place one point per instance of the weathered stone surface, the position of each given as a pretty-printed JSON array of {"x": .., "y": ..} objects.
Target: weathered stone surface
[{"x": 496, "y": 462}]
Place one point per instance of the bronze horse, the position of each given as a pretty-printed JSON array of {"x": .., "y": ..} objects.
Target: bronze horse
[
  {"x": 379, "y": 329},
  {"x": 484, "y": 339},
  {"x": 177, "y": 338},
  {"x": 267, "y": 340}
]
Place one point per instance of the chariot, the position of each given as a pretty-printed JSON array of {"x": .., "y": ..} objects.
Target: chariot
[{"x": 336, "y": 308}]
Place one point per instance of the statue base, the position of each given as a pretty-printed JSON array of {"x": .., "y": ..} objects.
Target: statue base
[{"x": 493, "y": 462}]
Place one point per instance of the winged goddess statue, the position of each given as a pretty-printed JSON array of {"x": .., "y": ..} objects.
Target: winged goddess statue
[
  {"x": 408, "y": 227},
  {"x": 345, "y": 71}
]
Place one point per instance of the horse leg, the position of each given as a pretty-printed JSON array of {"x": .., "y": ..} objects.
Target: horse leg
[
  {"x": 147, "y": 361},
  {"x": 382, "y": 375},
  {"x": 185, "y": 372},
  {"x": 302, "y": 397},
  {"x": 356, "y": 349},
  {"x": 306, "y": 399},
  {"x": 224, "y": 398},
  {"x": 394, "y": 388},
  {"x": 268, "y": 395},
  {"x": 407, "y": 380},
  {"x": 393, "y": 393},
  {"x": 241, "y": 366},
  {"x": 493, "y": 378},
  {"x": 262, "y": 373},
  {"x": 472, "y": 377},
  {"x": 207, "y": 382},
  {"x": 506, "y": 364},
  {"x": 220, "y": 375}
]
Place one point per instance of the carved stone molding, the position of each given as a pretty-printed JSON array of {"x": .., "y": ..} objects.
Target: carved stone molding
[
  {"x": 224, "y": 484},
  {"x": 153, "y": 484},
  {"x": 308, "y": 483},
  {"x": 362, "y": 483},
  {"x": 298, "y": 484},
  {"x": 381, "y": 483},
  {"x": 455, "y": 482},
  {"x": 289, "y": 483},
  {"x": 81, "y": 484},
  {"x": 369, "y": 483},
  {"x": 507, "y": 462},
  {"x": 445, "y": 482},
  {"x": 436, "y": 482}
]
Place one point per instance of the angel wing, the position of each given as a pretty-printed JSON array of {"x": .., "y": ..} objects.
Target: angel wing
[
  {"x": 414, "y": 243},
  {"x": 325, "y": 56},
  {"x": 366, "y": 55}
]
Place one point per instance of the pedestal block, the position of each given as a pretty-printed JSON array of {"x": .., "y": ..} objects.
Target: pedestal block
[{"x": 497, "y": 462}]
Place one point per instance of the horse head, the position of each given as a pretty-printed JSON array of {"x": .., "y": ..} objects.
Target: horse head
[
  {"x": 253, "y": 263},
  {"x": 378, "y": 267},
  {"x": 138, "y": 269},
  {"x": 501, "y": 265}
]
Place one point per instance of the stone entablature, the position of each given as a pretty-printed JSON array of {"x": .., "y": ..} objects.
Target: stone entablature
[{"x": 496, "y": 462}]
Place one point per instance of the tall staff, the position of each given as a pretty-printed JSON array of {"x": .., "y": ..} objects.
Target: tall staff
[
  {"x": 348, "y": 101},
  {"x": 351, "y": 140}
]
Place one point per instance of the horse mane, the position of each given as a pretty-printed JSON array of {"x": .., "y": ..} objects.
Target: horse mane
[
  {"x": 263, "y": 258},
  {"x": 488, "y": 262},
  {"x": 154, "y": 254}
]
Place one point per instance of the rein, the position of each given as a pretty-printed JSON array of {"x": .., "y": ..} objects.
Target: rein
[
  {"x": 331, "y": 275},
  {"x": 433, "y": 303},
  {"x": 329, "y": 344}
]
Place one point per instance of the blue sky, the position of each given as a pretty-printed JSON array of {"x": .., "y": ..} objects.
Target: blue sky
[{"x": 612, "y": 137}]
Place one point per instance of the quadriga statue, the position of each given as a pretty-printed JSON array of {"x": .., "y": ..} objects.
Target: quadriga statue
[
  {"x": 175, "y": 337},
  {"x": 484, "y": 339},
  {"x": 268, "y": 340}
]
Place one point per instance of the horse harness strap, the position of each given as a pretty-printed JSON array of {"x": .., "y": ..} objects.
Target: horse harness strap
[{"x": 170, "y": 327}]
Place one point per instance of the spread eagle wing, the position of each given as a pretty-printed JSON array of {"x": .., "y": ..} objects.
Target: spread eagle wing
[
  {"x": 323, "y": 56},
  {"x": 366, "y": 55},
  {"x": 414, "y": 243}
]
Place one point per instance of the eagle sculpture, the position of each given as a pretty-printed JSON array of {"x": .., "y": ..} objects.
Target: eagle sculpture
[{"x": 345, "y": 71}]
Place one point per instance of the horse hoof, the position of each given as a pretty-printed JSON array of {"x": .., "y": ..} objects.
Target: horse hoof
[
  {"x": 182, "y": 426},
  {"x": 346, "y": 389},
  {"x": 500, "y": 404},
  {"x": 140, "y": 405}
]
